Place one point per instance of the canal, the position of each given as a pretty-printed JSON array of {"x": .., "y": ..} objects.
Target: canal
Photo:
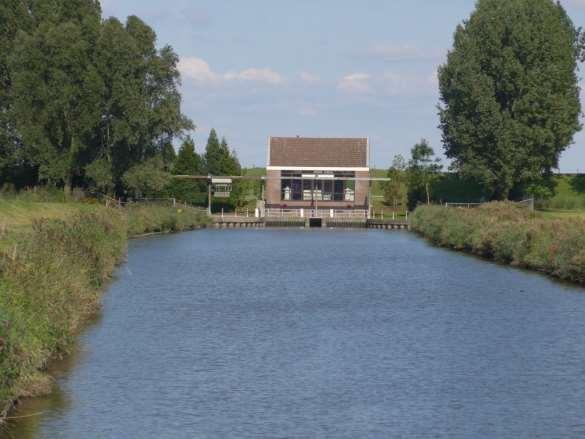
[{"x": 321, "y": 334}]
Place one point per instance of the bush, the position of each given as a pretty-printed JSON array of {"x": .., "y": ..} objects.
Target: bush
[
  {"x": 49, "y": 283},
  {"x": 509, "y": 234}
]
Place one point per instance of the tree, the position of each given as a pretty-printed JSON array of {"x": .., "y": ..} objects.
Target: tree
[
  {"x": 55, "y": 86},
  {"x": 396, "y": 190},
  {"x": 213, "y": 155},
  {"x": 423, "y": 171},
  {"x": 99, "y": 174},
  {"x": 141, "y": 108},
  {"x": 188, "y": 162},
  {"x": 509, "y": 94},
  {"x": 81, "y": 96},
  {"x": 147, "y": 179},
  {"x": 14, "y": 17},
  {"x": 221, "y": 160}
]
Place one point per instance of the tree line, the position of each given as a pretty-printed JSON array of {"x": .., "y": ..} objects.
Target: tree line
[{"x": 83, "y": 101}]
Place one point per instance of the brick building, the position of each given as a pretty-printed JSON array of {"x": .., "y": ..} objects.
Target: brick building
[{"x": 317, "y": 173}]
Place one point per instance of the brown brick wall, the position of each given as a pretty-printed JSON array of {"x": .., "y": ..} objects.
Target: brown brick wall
[
  {"x": 361, "y": 188},
  {"x": 273, "y": 187}
]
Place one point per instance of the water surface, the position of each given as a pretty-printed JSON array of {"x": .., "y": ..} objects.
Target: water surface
[{"x": 318, "y": 333}]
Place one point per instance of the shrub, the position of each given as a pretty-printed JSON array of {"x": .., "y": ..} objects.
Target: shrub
[{"x": 510, "y": 234}]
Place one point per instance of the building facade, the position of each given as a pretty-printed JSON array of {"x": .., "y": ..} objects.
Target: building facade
[{"x": 317, "y": 173}]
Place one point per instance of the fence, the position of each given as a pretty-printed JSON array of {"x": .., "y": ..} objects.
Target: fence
[
  {"x": 316, "y": 213},
  {"x": 529, "y": 203},
  {"x": 165, "y": 202}
]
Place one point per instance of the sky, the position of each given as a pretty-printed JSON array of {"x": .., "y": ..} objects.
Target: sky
[{"x": 333, "y": 68}]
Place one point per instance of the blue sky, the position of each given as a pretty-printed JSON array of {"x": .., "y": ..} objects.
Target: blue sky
[{"x": 257, "y": 68}]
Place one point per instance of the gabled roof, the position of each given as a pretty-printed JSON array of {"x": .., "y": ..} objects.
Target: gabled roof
[{"x": 318, "y": 151}]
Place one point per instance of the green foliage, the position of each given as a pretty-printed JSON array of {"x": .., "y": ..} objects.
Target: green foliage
[
  {"x": 396, "y": 190},
  {"x": 49, "y": 280},
  {"x": 568, "y": 194},
  {"x": 99, "y": 174},
  {"x": 454, "y": 188},
  {"x": 56, "y": 89},
  {"x": 578, "y": 183},
  {"x": 423, "y": 172},
  {"x": 510, "y": 96},
  {"x": 220, "y": 160},
  {"x": 147, "y": 179},
  {"x": 51, "y": 273},
  {"x": 76, "y": 89},
  {"x": 156, "y": 219},
  {"x": 509, "y": 234},
  {"x": 188, "y": 162}
]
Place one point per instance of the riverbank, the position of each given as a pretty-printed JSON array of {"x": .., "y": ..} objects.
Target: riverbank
[
  {"x": 509, "y": 234},
  {"x": 55, "y": 259}
]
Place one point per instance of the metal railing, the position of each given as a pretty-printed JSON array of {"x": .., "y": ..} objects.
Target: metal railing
[
  {"x": 463, "y": 205},
  {"x": 316, "y": 213},
  {"x": 165, "y": 202}
]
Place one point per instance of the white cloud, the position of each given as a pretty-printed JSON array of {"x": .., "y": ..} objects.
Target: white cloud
[
  {"x": 199, "y": 71},
  {"x": 355, "y": 83},
  {"x": 309, "y": 78},
  {"x": 265, "y": 75},
  {"x": 389, "y": 84}
]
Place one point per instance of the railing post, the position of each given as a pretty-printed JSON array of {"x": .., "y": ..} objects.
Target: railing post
[{"x": 222, "y": 213}]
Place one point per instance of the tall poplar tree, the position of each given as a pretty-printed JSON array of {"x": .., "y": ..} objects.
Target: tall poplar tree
[
  {"x": 14, "y": 17},
  {"x": 56, "y": 87},
  {"x": 509, "y": 94},
  {"x": 213, "y": 155}
]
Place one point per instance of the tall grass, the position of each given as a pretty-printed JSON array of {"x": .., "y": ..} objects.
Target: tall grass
[
  {"x": 51, "y": 275},
  {"x": 144, "y": 218},
  {"x": 509, "y": 234}
]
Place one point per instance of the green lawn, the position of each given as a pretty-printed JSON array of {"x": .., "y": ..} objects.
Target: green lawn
[{"x": 562, "y": 214}]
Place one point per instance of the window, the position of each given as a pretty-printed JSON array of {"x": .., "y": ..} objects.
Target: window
[
  {"x": 290, "y": 186},
  {"x": 294, "y": 187}
]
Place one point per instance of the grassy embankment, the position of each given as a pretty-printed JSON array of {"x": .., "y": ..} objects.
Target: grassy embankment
[
  {"x": 55, "y": 258},
  {"x": 509, "y": 234}
]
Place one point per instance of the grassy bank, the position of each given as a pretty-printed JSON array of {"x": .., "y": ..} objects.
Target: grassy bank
[
  {"x": 511, "y": 235},
  {"x": 54, "y": 261}
]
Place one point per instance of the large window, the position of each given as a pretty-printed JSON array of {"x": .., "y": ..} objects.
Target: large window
[
  {"x": 291, "y": 186},
  {"x": 315, "y": 185}
]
